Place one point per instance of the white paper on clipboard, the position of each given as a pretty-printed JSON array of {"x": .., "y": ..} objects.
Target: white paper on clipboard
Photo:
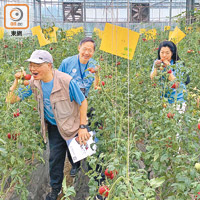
[{"x": 79, "y": 152}]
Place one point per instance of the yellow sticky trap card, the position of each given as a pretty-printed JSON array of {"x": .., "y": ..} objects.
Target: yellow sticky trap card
[
  {"x": 1, "y": 32},
  {"x": 98, "y": 32},
  {"x": 170, "y": 34},
  {"x": 79, "y": 29},
  {"x": 69, "y": 34},
  {"x": 188, "y": 29},
  {"x": 47, "y": 36},
  {"x": 151, "y": 34},
  {"x": 167, "y": 28},
  {"x": 119, "y": 41},
  {"x": 73, "y": 31},
  {"x": 142, "y": 30},
  {"x": 52, "y": 35},
  {"x": 177, "y": 35}
]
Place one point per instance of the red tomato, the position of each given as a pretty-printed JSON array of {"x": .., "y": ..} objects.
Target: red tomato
[
  {"x": 169, "y": 71},
  {"x": 190, "y": 51},
  {"x": 92, "y": 70},
  {"x": 14, "y": 136},
  {"x": 26, "y": 82},
  {"x": 196, "y": 196},
  {"x": 104, "y": 190},
  {"x": 170, "y": 115},
  {"x": 154, "y": 85},
  {"x": 174, "y": 86},
  {"x": 108, "y": 174},
  {"x": 103, "y": 83},
  {"x": 27, "y": 77},
  {"x": 9, "y": 136},
  {"x": 199, "y": 126},
  {"x": 111, "y": 176}
]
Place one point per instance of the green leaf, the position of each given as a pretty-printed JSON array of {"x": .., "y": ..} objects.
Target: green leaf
[
  {"x": 157, "y": 182},
  {"x": 71, "y": 191},
  {"x": 156, "y": 157},
  {"x": 163, "y": 157},
  {"x": 12, "y": 159},
  {"x": 2, "y": 150},
  {"x": 68, "y": 191},
  {"x": 64, "y": 185},
  {"x": 2, "y": 141}
]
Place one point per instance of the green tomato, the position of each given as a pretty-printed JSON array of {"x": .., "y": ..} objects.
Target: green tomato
[
  {"x": 20, "y": 81},
  {"x": 197, "y": 166}
]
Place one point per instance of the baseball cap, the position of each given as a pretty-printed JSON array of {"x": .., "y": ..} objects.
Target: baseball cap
[{"x": 40, "y": 56}]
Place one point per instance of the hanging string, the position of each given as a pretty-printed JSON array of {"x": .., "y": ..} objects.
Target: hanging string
[
  {"x": 112, "y": 15},
  {"x": 128, "y": 70},
  {"x": 116, "y": 92}
]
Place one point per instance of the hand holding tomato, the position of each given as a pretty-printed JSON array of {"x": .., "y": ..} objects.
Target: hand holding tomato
[
  {"x": 20, "y": 75},
  {"x": 97, "y": 68},
  {"x": 166, "y": 62},
  {"x": 158, "y": 63}
]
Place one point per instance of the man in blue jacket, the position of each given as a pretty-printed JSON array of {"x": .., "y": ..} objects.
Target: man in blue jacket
[{"x": 84, "y": 70}]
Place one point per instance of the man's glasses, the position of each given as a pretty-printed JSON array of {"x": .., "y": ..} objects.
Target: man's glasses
[
  {"x": 89, "y": 50},
  {"x": 35, "y": 66}
]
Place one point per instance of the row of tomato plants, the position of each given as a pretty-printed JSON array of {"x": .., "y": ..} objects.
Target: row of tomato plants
[
  {"x": 21, "y": 145},
  {"x": 137, "y": 139},
  {"x": 153, "y": 148}
]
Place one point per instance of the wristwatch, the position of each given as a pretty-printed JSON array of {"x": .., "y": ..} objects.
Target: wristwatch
[{"x": 82, "y": 126}]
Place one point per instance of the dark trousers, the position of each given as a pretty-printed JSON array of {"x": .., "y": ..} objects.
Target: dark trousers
[{"x": 58, "y": 148}]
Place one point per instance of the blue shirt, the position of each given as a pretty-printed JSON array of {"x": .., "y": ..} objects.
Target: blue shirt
[
  {"x": 171, "y": 93},
  {"x": 74, "y": 93},
  {"x": 74, "y": 68}
]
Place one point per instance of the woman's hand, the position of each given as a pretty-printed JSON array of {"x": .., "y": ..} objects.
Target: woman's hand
[
  {"x": 166, "y": 62},
  {"x": 158, "y": 63}
]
